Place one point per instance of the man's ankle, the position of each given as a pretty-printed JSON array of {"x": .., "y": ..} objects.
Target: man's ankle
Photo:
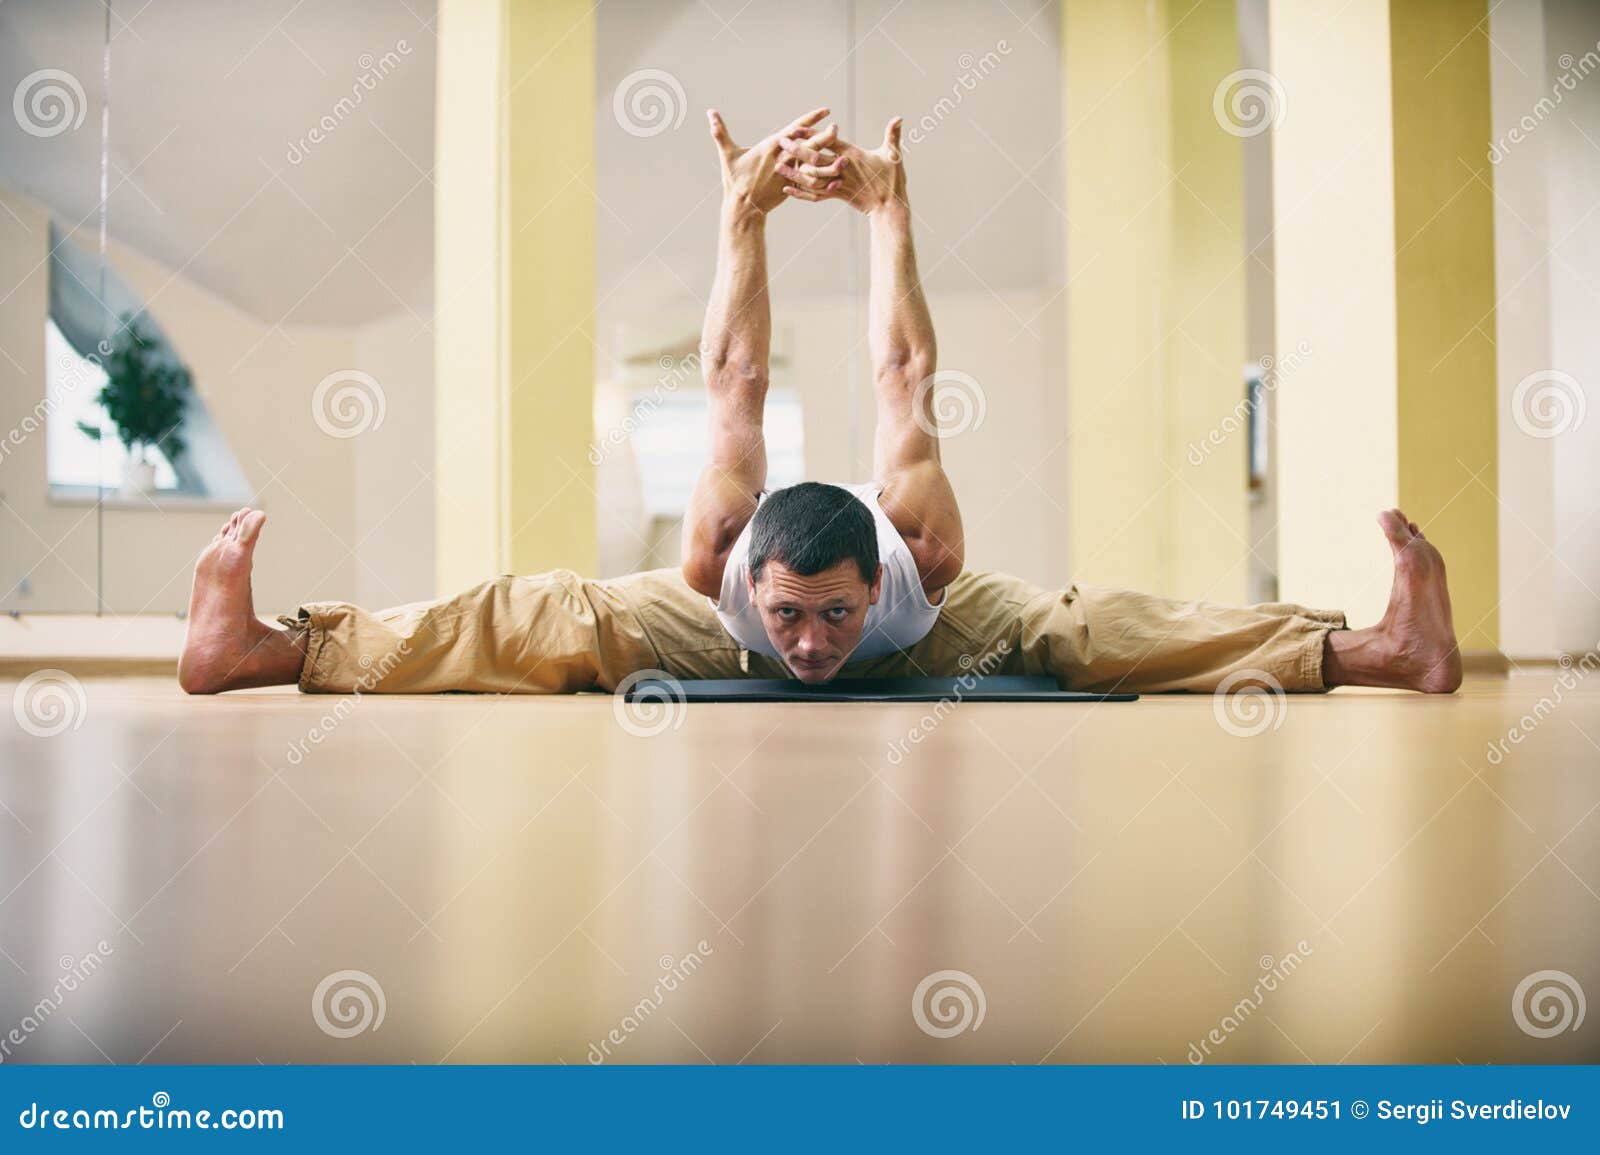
[{"x": 1356, "y": 658}]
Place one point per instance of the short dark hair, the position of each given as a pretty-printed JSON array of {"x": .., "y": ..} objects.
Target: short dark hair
[{"x": 811, "y": 527}]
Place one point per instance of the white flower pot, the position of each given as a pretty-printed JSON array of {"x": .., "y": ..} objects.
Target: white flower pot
[{"x": 139, "y": 480}]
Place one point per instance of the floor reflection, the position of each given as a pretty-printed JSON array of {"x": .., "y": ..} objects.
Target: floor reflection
[{"x": 524, "y": 881}]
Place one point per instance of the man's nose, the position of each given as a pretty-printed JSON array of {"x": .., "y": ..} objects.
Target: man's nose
[{"x": 813, "y": 640}]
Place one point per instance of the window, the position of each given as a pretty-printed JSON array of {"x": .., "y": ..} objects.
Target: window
[
  {"x": 673, "y": 443},
  {"x": 76, "y": 465},
  {"x": 72, "y": 457}
]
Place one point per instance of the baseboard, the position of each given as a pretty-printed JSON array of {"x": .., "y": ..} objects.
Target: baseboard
[
  {"x": 86, "y": 667},
  {"x": 126, "y": 645},
  {"x": 1485, "y": 662},
  {"x": 1544, "y": 662}
]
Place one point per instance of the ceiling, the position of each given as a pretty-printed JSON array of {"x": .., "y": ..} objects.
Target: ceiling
[{"x": 212, "y": 169}]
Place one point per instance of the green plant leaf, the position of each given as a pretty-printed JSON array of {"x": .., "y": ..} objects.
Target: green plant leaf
[{"x": 144, "y": 396}]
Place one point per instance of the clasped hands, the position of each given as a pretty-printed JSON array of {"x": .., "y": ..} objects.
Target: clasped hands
[{"x": 803, "y": 162}]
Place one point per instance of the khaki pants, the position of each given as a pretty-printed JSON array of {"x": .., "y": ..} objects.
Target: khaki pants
[{"x": 559, "y": 633}]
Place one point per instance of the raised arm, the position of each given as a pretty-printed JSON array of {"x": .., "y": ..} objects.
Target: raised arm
[
  {"x": 916, "y": 493},
  {"x": 900, "y": 335},
  {"x": 734, "y": 348}
]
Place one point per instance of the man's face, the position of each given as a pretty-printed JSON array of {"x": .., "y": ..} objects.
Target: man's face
[{"x": 815, "y": 621}]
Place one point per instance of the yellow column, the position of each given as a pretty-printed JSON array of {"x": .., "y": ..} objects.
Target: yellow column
[
  {"x": 1208, "y": 446},
  {"x": 514, "y": 287},
  {"x": 1383, "y": 229},
  {"x": 1444, "y": 280},
  {"x": 1155, "y": 298},
  {"x": 1118, "y": 205}
]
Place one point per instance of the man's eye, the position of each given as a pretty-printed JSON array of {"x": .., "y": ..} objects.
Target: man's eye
[
  {"x": 838, "y": 614},
  {"x": 787, "y": 613}
]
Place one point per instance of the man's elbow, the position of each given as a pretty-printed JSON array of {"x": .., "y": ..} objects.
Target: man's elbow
[
  {"x": 704, "y": 575},
  {"x": 733, "y": 364},
  {"x": 906, "y": 368},
  {"x": 938, "y": 564},
  {"x": 741, "y": 382}
]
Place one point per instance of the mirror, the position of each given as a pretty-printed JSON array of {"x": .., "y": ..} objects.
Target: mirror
[
  {"x": 258, "y": 329},
  {"x": 52, "y": 58}
]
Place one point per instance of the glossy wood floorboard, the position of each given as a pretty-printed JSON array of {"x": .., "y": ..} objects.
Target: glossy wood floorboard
[{"x": 1368, "y": 879}]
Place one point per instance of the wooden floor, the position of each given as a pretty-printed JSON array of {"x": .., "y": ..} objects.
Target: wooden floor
[{"x": 533, "y": 880}]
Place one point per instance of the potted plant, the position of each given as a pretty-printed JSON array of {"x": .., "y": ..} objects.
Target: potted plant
[{"x": 144, "y": 396}]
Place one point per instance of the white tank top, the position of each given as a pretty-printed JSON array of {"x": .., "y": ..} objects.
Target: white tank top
[{"x": 901, "y": 617}]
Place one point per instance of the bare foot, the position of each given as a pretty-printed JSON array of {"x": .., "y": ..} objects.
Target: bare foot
[
  {"x": 227, "y": 647},
  {"x": 1418, "y": 618},
  {"x": 1414, "y": 646}
]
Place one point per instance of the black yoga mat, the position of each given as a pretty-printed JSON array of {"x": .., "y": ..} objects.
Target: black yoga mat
[{"x": 995, "y": 688}]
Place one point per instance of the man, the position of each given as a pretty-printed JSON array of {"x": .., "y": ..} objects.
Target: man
[
  {"x": 816, "y": 574},
  {"x": 815, "y": 580}
]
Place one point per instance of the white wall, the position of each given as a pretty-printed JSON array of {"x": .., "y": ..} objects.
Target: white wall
[
  {"x": 1522, "y": 332},
  {"x": 1574, "y": 26},
  {"x": 321, "y": 493},
  {"x": 393, "y": 475},
  {"x": 1334, "y": 281},
  {"x": 1547, "y": 245},
  {"x": 1261, "y": 329}
]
